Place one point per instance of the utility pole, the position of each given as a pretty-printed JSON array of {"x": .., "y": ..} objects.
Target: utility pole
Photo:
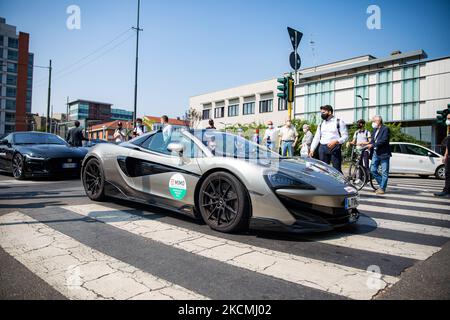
[
  {"x": 137, "y": 62},
  {"x": 48, "y": 98},
  {"x": 67, "y": 110}
]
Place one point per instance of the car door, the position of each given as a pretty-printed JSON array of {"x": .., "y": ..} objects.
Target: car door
[
  {"x": 419, "y": 159},
  {"x": 167, "y": 179},
  {"x": 397, "y": 160}
]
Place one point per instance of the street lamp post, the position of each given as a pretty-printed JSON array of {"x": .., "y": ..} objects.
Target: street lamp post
[{"x": 362, "y": 101}]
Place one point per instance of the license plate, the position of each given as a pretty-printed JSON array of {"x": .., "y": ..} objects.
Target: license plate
[
  {"x": 351, "y": 203},
  {"x": 69, "y": 165}
]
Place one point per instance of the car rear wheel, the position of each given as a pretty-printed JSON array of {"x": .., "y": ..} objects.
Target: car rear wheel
[
  {"x": 223, "y": 203},
  {"x": 94, "y": 180},
  {"x": 18, "y": 167},
  {"x": 440, "y": 172}
]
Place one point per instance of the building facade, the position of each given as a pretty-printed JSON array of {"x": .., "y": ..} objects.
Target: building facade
[
  {"x": 251, "y": 103},
  {"x": 16, "y": 79},
  {"x": 120, "y": 114},
  {"x": 406, "y": 88}
]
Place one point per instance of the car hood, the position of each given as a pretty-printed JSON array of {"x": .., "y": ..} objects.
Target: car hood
[
  {"x": 315, "y": 173},
  {"x": 52, "y": 151}
]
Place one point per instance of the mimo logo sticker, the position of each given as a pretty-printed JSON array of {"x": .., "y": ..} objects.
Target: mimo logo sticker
[{"x": 177, "y": 186}]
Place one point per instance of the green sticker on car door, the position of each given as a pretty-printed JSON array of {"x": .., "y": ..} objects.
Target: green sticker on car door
[{"x": 177, "y": 186}]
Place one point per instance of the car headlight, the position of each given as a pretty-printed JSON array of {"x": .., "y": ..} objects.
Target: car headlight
[
  {"x": 32, "y": 158},
  {"x": 278, "y": 180}
]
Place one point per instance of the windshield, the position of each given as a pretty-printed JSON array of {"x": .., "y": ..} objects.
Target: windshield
[
  {"x": 223, "y": 144},
  {"x": 37, "y": 138}
]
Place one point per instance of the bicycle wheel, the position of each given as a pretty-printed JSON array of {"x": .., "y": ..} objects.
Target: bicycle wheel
[{"x": 357, "y": 176}]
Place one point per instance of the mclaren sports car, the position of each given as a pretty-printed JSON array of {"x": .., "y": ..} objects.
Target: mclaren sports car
[{"x": 223, "y": 179}]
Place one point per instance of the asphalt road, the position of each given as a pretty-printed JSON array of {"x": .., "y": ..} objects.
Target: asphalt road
[{"x": 57, "y": 244}]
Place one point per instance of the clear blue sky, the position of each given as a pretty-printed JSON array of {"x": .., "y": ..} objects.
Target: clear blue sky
[{"x": 190, "y": 47}]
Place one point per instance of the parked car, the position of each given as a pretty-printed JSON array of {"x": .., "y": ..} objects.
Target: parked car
[
  {"x": 410, "y": 158},
  {"x": 32, "y": 154},
  {"x": 94, "y": 142}
]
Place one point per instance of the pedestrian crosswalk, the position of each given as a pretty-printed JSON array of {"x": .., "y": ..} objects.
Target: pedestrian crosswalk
[{"x": 395, "y": 231}]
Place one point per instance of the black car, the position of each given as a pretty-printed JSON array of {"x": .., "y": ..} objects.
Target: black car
[{"x": 34, "y": 154}]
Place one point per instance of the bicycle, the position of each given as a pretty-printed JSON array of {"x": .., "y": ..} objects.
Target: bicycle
[{"x": 358, "y": 175}]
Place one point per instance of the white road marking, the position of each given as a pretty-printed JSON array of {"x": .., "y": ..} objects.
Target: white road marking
[
  {"x": 416, "y": 196},
  {"x": 405, "y": 226},
  {"x": 405, "y": 212},
  {"x": 386, "y": 246},
  {"x": 333, "y": 278},
  {"x": 78, "y": 271}
]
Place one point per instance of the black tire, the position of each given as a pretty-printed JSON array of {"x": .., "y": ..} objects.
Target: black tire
[
  {"x": 17, "y": 167},
  {"x": 223, "y": 203},
  {"x": 94, "y": 180},
  {"x": 440, "y": 172},
  {"x": 358, "y": 176}
]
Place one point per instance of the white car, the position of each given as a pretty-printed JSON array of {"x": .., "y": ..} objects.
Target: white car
[{"x": 410, "y": 158}]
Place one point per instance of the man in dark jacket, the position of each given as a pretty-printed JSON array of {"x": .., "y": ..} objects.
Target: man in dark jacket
[
  {"x": 380, "y": 153},
  {"x": 75, "y": 136},
  {"x": 446, "y": 192}
]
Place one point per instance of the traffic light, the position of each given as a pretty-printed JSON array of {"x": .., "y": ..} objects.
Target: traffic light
[
  {"x": 291, "y": 89},
  {"x": 442, "y": 115},
  {"x": 283, "y": 88}
]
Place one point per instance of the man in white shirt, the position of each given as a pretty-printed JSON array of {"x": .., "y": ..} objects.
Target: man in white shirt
[
  {"x": 140, "y": 129},
  {"x": 330, "y": 136},
  {"x": 270, "y": 136},
  {"x": 361, "y": 139},
  {"x": 288, "y": 137},
  {"x": 119, "y": 134},
  {"x": 167, "y": 129}
]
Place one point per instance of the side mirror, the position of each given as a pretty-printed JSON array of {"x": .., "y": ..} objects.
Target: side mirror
[
  {"x": 175, "y": 147},
  {"x": 431, "y": 155}
]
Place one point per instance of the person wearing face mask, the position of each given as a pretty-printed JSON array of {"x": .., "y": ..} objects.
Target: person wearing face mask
[
  {"x": 270, "y": 136},
  {"x": 361, "y": 139},
  {"x": 140, "y": 129},
  {"x": 330, "y": 136},
  {"x": 446, "y": 192},
  {"x": 380, "y": 153},
  {"x": 288, "y": 139},
  {"x": 306, "y": 141}
]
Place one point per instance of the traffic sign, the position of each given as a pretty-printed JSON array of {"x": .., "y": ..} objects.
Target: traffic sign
[
  {"x": 295, "y": 58},
  {"x": 296, "y": 37}
]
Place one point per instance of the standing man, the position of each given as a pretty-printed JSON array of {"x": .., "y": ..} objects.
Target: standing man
[
  {"x": 211, "y": 125},
  {"x": 119, "y": 134},
  {"x": 140, "y": 129},
  {"x": 361, "y": 139},
  {"x": 288, "y": 138},
  {"x": 380, "y": 153},
  {"x": 167, "y": 129},
  {"x": 446, "y": 192},
  {"x": 75, "y": 136},
  {"x": 330, "y": 136},
  {"x": 306, "y": 141},
  {"x": 270, "y": 136}
]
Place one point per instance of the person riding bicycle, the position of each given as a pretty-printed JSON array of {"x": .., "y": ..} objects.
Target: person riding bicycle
[{"x": 361, "y": 139}]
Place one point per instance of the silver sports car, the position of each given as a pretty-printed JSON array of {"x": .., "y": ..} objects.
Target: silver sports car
[{"x": 226, "y": 180}]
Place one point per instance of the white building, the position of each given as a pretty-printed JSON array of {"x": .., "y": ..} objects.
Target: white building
[{"x": 403, "y": 87}]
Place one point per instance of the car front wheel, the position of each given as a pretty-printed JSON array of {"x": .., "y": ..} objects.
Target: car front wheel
[
  {"x": 440, "y": 172},
  {"x": 94, "y": 180},
  {"x": 18, "y": 167},
  {"x": 223, "y": 203}
]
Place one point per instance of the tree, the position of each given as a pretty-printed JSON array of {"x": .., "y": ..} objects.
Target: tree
[{"x": 192, "y": 117}]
